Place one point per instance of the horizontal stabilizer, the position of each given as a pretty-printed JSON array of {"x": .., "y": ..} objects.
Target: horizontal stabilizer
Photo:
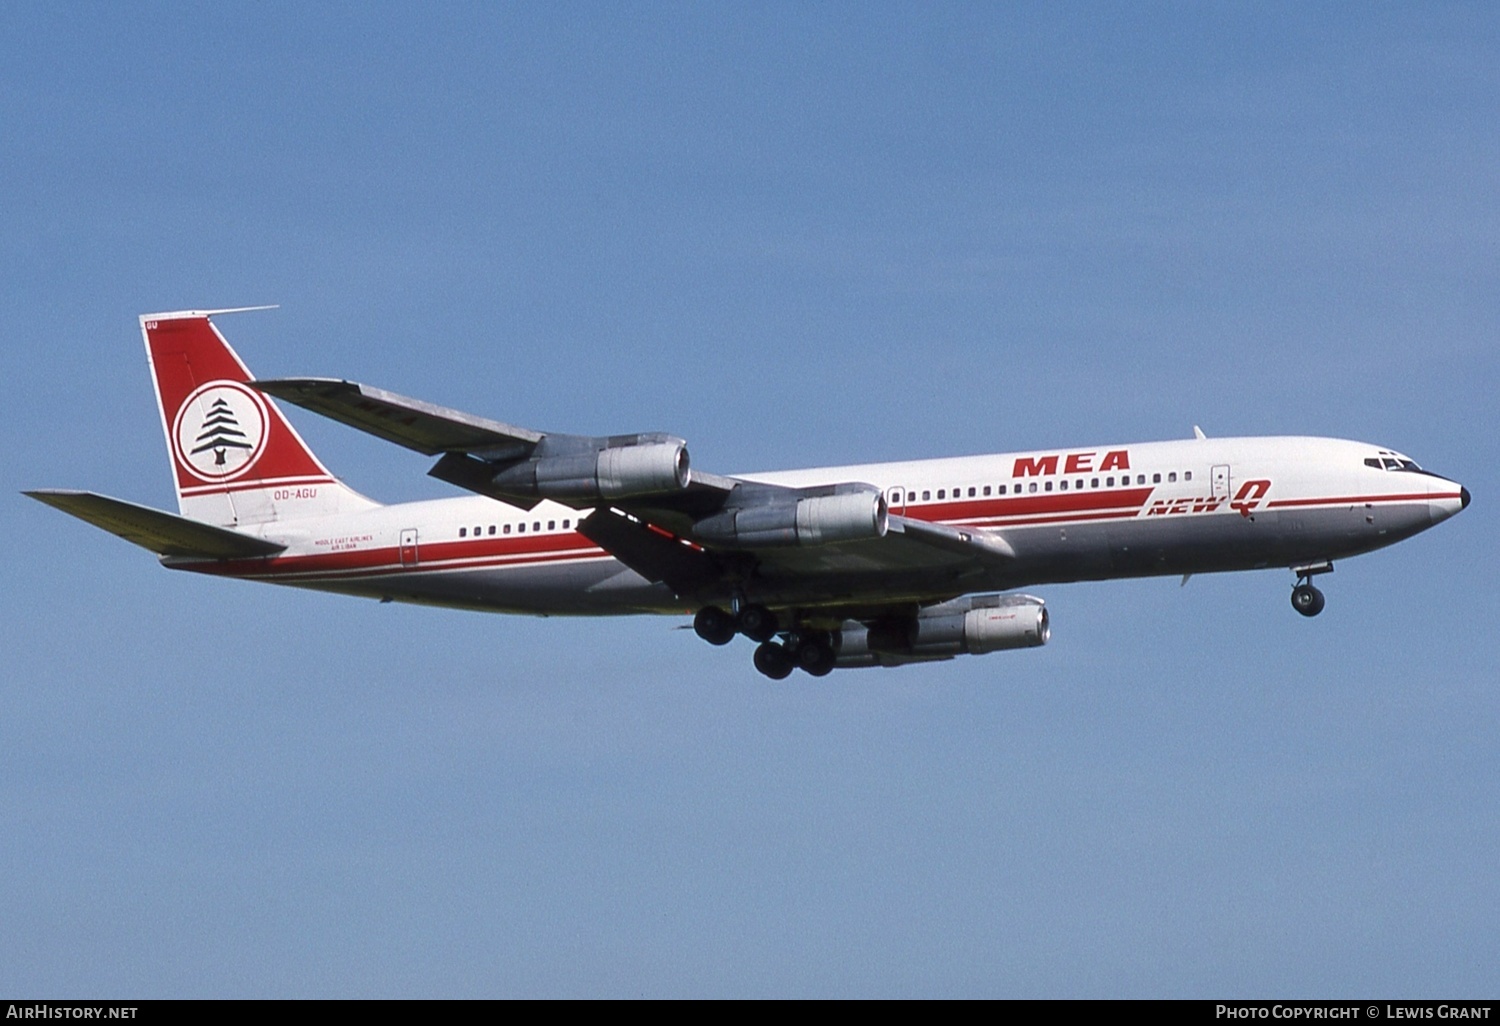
[
  {"x": 165, "y": 534},
  {"x": 412, "y": 423}
]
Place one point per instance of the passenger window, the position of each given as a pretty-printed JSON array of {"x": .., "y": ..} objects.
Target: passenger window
[
  {"x": 1172, "y": 477},
  {"x": 552, "y": 525},
  {"x": 463, "y": 532},
  {"x": 536, "y": 526},
  {"x": 492, "y": 529},
  {"x": 1187, "y": 475},
  {"x": 971, "y": 492},
  {"x": 1048, "y": 486},
  {"x": 1093, "y": 482},
  {"x": 520, "y": 528},
  {"x": 986, "y": 489},
  {"x": 1064, "y": 485},
  {"x": 1078, "y": 483},
  {"x": 1140, "y": 479},
  {"x": 1018, "y": 488},
  {"x": 507, "y": 529},
  {"x": 926, "y": 495},
  {"x": 1156, "y": 479},
  {"x": 478, "y": 531},
  {"x": 1109, "y": 482},
  {"x": 1032, "y": 488},
  {"x": 565, "y": 524}
]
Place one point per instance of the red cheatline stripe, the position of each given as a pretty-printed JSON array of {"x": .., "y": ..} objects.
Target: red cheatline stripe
[
  {"x": 1078, "y": 518},
  {"x": 398, "y": 570},
  {"x": 501, "y": 549},
  {"x": 1361, "y": 500},
  {"x": 1029, "y": 504},
  {"x": 390, "y": 566},
  {"x": 513, "y": 546}
]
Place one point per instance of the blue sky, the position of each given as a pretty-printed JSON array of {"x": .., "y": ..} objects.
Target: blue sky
[{"x": 794, "y": 234}]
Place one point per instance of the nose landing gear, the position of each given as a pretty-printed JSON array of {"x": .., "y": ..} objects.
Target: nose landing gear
[{"x": 1306, "y": 599}]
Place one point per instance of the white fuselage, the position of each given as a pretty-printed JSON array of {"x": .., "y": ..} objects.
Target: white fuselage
[{"x": 1176, "y": 507}]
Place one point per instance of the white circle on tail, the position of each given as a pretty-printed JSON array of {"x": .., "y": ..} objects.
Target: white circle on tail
[{"x": 220, "y": 431}]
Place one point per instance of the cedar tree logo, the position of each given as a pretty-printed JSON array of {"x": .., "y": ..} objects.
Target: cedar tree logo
[{"x": 220, "y": 431}]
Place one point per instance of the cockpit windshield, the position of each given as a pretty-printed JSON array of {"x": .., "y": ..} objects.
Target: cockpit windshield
[
  {"x": 1393, "y": 463},
  {"x": 1388, "y": 460}
]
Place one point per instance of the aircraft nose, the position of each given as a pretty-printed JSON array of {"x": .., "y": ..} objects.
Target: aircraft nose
[{"x": 1443, "y": 503}]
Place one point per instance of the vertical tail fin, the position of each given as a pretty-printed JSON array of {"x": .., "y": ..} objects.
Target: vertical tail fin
[{"x": 235, "y": 459}]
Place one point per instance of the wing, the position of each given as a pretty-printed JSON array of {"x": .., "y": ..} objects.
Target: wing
[
  {"x": 165, "y": 534},
  {"x": 417, "y": 425},
  {"x": 704, "y": 535}
]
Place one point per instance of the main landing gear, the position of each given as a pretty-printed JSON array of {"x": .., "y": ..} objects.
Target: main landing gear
[
  {"x": 714, "y": 625},
  {"x": 809, "y": 650},
  {"x": 1306, "y": 599}
]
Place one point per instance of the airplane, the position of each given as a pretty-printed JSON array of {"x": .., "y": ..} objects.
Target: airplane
[{"x": 872, "y": 565}]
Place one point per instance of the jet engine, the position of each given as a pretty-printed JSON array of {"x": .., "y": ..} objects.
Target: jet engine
[
  {"x": 819, "y": 520},
  {"x": 967, "y": 626},
  {"x": 617, "y": 472}
]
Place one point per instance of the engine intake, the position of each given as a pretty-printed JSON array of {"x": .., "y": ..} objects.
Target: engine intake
[{"x": 820, "y": 520}]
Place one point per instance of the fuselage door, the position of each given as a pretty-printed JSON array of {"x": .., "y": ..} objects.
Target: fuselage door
[
  {"x": 409, "y": 546},
  {"x": 1221, "y": 481},
  {"x": 895, "y": 498}
]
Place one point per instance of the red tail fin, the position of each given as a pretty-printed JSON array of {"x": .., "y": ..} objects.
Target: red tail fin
[{"x": 235, "y": 458}]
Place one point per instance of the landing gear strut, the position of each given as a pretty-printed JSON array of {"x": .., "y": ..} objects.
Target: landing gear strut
[{"x": 1306, "y": 599}]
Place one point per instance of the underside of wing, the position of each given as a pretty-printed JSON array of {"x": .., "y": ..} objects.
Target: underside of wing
[
  {"x": 415, "y": 424},
  {"x": 165, "y": 534},
  {"x": 912, "y": 562}
]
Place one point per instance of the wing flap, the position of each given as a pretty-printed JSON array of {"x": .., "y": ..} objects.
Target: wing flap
[
  {"x": 986, "y": 547},
  {"x": 653, "y": 553},
  {"x": 165, "y": 534},
  {"x": 418, "y": 425}
]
